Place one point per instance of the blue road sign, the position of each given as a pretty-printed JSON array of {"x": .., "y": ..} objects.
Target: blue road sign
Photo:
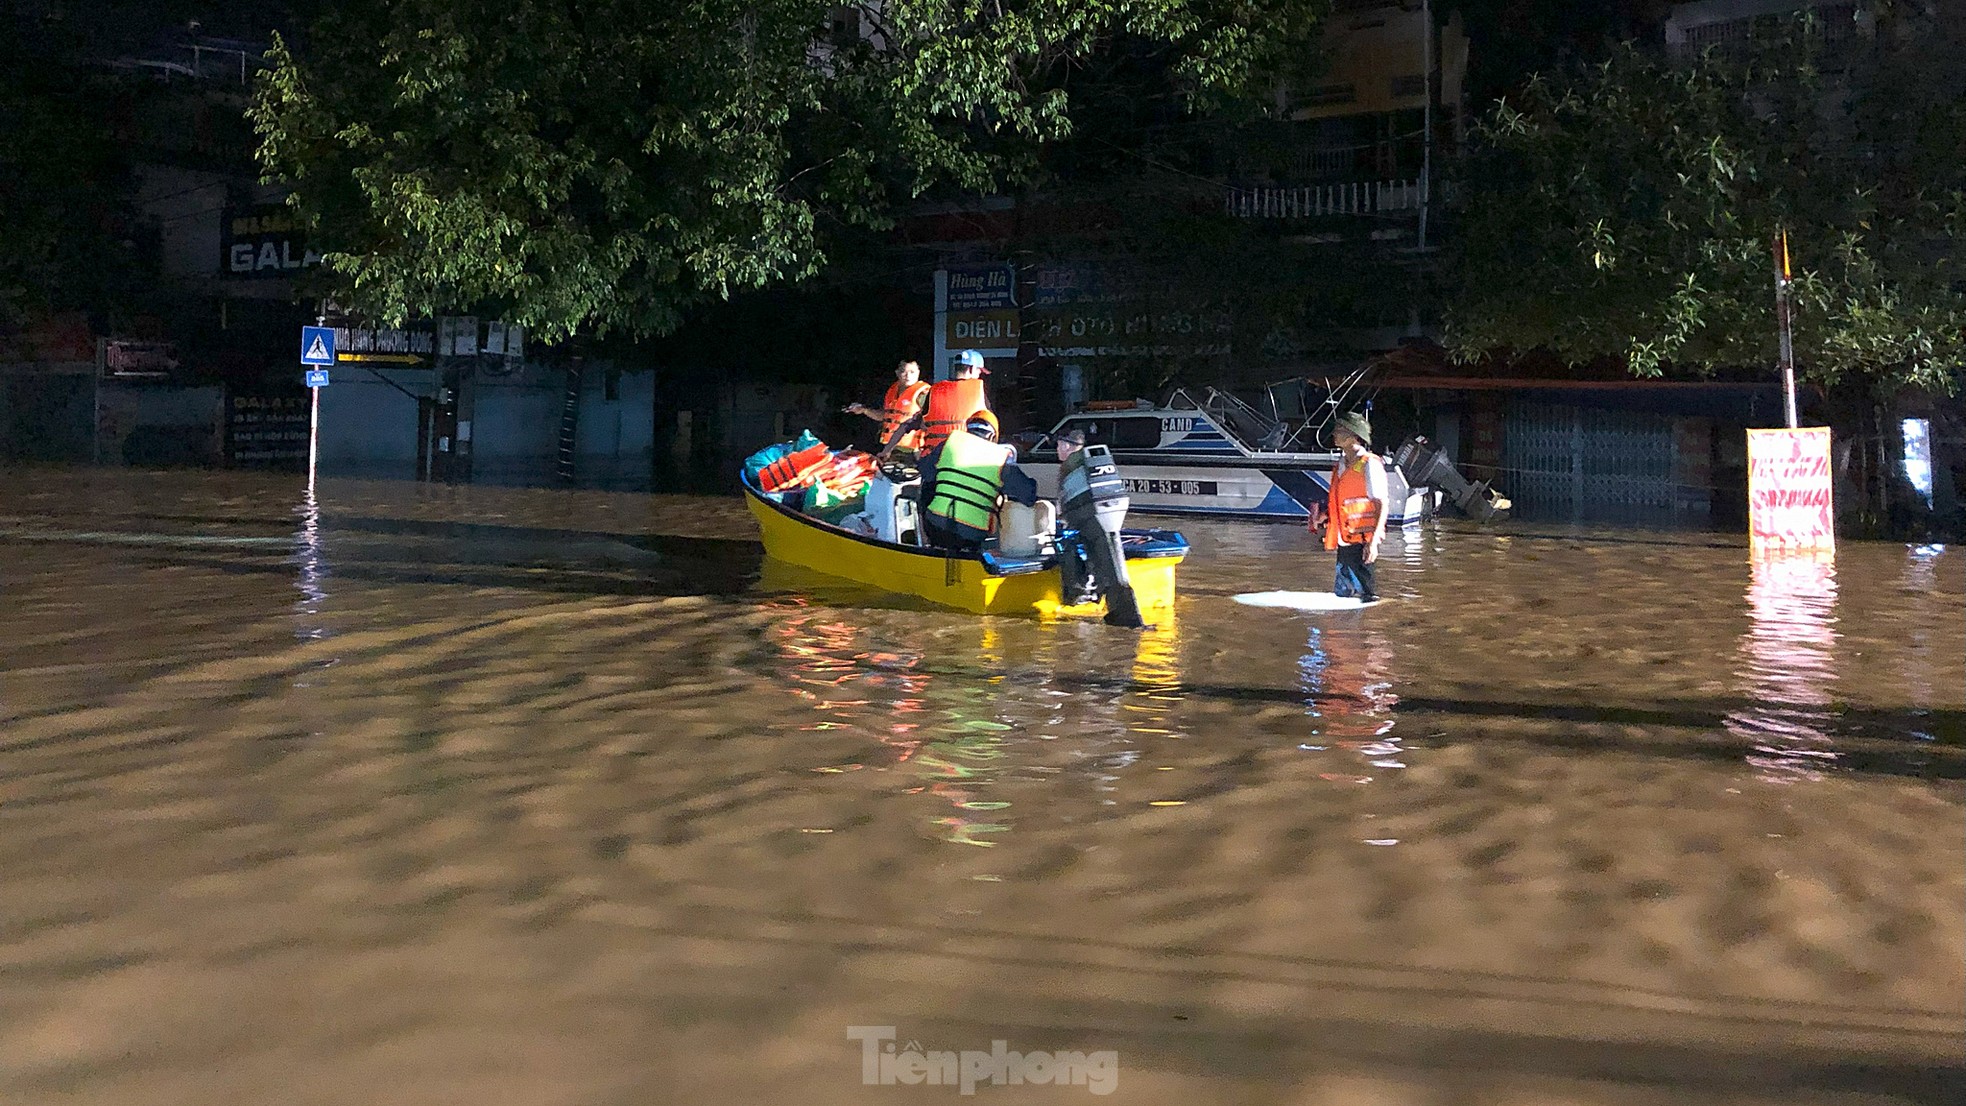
[
  {"x": 317, "y": 345},
  {"x": 317, "y": 378}
]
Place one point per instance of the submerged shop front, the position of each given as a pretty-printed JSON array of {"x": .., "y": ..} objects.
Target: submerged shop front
[{"x": 1625, "y": 452}]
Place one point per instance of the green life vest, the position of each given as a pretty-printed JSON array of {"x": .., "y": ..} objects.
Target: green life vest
[{"x": 968, "y": 480}]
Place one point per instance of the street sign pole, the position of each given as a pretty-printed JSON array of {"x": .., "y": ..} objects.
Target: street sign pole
[
  {"x": 1782, "y": 317},
  {"x": 317, "y": 355},
  {"x": 313, "y": 436}
]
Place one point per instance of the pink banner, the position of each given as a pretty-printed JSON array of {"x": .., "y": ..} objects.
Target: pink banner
[{"x": 1789, "y": 486}]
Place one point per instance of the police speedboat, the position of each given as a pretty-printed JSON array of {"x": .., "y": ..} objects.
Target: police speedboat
[{"x": 1208, "y": 453}]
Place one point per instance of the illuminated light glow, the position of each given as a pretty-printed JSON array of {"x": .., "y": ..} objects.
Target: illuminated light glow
[{"x": 1918, "y": 457}]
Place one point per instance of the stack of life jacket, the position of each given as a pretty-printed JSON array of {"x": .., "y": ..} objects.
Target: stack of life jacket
[
  {"x": 756, "y": 463},
  {"x": 839, "y": 480},
  {"x": 791, "y": 469}
]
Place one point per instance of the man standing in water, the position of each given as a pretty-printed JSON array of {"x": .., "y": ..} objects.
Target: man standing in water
[{"x": 1355, "y": 513}]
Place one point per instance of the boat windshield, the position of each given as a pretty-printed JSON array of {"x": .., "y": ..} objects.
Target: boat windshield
[{"x": 1252, "y": 429}]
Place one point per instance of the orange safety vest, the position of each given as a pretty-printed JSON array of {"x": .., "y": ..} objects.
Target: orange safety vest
[
  {"x": 901, "y": 404},
  {"x": 843, "y": 472},
  {"x": 781, "y": 474},
  {"x": 1351, "y": 514},
  {"x": 950, "y": 404}
]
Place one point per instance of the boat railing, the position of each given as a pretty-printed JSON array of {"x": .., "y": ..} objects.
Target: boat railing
[
  {"x": 1247, "y": 426},
  {"x": 1314, "y": 433}
]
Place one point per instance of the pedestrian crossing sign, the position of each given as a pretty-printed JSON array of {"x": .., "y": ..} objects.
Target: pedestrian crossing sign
[{"x": 317, "y": 345}]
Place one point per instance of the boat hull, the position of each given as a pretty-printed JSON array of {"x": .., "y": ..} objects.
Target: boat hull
[
  {"x": 1236, "y": 486},
  {"x": 1179, "y": 460},
  {"x": 963, "y": 582}
]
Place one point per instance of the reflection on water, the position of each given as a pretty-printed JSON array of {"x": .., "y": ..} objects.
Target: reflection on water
[
  {"x": 1345, "y": 674},
  {"x": 937, "y": 728},
  {"x": 1002, "y": 700},
  {"x": 1788, "y": 667},
  {"x": 311, "y": 570},
  {"x": 574, "y": 783}
]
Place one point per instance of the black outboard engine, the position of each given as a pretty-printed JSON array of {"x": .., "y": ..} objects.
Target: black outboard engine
[
  {"x": 1425, "y": 466},
  {"x": 1094, "y": 502}
]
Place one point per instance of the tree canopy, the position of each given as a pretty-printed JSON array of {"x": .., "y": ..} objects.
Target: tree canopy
[
  {"x": 1629, "y": 211},
  {"x": 604, "y": 165}
]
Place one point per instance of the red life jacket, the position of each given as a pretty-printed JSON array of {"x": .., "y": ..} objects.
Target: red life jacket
[
  {"x": 901, "y": 404},
  {"x": 784, "y": 472},
  {"x": 1351, "y": 514},
  {"x": 950, "y": 404},
  {"x": 843, "y": 472}
]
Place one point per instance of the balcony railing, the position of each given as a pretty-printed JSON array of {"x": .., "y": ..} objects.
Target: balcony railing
[{"x": 1320, "y": 200}]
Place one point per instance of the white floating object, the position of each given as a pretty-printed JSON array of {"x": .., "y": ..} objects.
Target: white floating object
[{"x": 1301, "y": 600}]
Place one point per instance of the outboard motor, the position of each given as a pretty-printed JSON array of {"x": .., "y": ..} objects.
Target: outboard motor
[
  {"x": 1425, "y": 466},
  {"x": 1095, "y": 502}
]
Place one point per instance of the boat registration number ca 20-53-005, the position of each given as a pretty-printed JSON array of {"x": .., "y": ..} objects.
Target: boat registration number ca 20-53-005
[{"x": 1170, "y": 487}]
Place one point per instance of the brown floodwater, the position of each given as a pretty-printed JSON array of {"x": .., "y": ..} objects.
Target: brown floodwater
[{"x": 423, "y": 794}]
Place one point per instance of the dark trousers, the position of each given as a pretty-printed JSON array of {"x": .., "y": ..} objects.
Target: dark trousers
[
  {"x": 1355, "y": 577},
  {"x": 947, "y": 535}
]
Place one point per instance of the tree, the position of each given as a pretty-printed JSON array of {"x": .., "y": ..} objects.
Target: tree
[
  {"x": 605, "y": 165},
  {"x": 1628, "y": 211}
]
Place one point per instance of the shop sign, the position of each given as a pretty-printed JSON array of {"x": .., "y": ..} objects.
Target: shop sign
[
  {"x": 262, "y": 241},
  {"x": 1789, "y": 490}
]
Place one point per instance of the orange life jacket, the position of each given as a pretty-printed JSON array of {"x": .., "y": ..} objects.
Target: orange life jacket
[
  {"x": 843, "y": 472},
  {"x": 1351, "y": 514},
  {"x": 902, "y": 403},
  {"x": 784, "y": 472},
  {"x": 950, "y": 404}
]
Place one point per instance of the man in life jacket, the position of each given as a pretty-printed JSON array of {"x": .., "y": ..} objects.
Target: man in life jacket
[
  {"x": 947, "y": 406},
  {"x": 963, "y": 482},
  {"x": 1355, "y": 511},
  {"x": 905, "y": 398}
]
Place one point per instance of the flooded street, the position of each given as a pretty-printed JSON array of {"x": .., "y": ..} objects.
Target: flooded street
[{"x": 413, "y": 794}]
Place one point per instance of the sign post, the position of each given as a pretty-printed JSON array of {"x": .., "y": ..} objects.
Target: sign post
[
  {"x": 316, "y": 355},
  {"x": 1782, "y": 316}
]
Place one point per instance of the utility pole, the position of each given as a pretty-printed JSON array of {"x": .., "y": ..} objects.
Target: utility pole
[
  {"x": 1782, "y": 320},
  {"x": 1427, "y": 116}
]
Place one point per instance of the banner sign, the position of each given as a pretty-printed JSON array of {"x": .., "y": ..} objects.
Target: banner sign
[
  {"x": 1086, "y": 310},
  {"x": 982, "y": 330},
  {"x": 1789, "y": 486},
  {"x": 125, "y": 358},
  {"x": 384, "y": 346},
  {"x": 981, "y": 288},
  {"x": 1069, "y": 282},
  {"x": 975, "y": 308},
  {"x": 262, "y": 241},
  {"x": 266, "y": 431}
]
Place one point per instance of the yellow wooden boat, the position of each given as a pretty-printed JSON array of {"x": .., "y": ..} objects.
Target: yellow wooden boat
[{"x": 987, "y": 583}]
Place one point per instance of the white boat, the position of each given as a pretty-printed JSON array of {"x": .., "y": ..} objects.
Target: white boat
[{"x": 1212, "y": 454}]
